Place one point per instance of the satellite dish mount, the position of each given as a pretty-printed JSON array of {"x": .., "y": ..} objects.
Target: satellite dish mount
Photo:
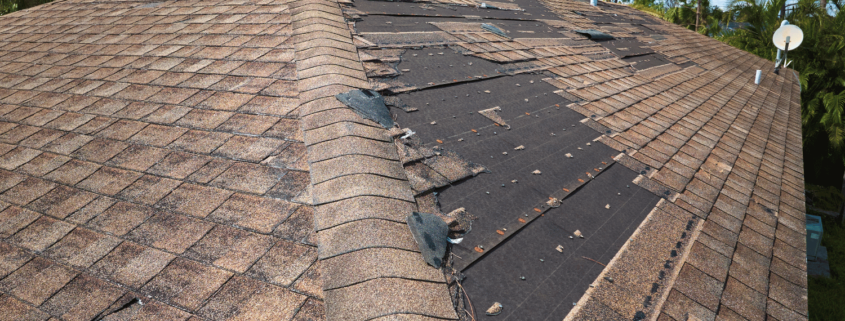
[{"x": 786, "y": 38}]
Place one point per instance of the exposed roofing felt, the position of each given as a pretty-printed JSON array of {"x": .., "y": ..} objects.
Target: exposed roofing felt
[{"x": 193, "y": 155}]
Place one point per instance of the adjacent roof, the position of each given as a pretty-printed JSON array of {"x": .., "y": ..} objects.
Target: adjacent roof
[
  {"x": 192, "y": 155},
  {"x": 153, "y": 150}
]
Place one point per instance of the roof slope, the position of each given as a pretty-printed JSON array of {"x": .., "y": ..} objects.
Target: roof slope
[
  {"x": 153, "y": 150},
  {"x": 722, "y": 153}
]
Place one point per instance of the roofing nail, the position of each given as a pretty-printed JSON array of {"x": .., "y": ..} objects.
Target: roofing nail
[
  {"x": 488, "y": 193},
  {"x": 531, "y": 81},
  {"x": 504, "y": 153},
  {"x": 522, "y": 278},
  {"x": 588, "y": 144},
  {"x": 607, "y": 206},
  {"x": 434, "y": 123},
  {"x": 514, "y": 181},
  {"x": 541, "y": 260},
  {"x": 460, "y": 139}
]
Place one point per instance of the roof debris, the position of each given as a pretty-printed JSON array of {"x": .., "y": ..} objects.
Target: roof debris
[
  {"x": 594, "y": 34},
  {"x": 520, "y": 147},
  {"x": 495, "y": 309},
  {"x": 578, "y": 234},
  {"x": 568, "y": 155},
  {"x": 369, "y": 104},
  {"x": 491, "y": 114},
  {"x": 607, "y": 206},
  {"x": 536, "y": 172},
  {"x": 431, "y": 234},
  {"x": 559, "y": 248},
  {"x": 494, "y": 29}
]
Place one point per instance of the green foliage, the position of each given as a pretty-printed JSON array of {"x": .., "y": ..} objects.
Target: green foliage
[
  {"x": 825, "y": 294},
  {"x": 827, "y": 198},
  {"x": 820, "y": 62},
  {"x": 9, "y": 6}
]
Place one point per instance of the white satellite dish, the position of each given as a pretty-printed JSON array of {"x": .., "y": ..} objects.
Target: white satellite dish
[{"x": 788, "y": 33}]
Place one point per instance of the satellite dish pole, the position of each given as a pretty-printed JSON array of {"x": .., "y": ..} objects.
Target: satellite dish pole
[{"x": 787, "y": 37}]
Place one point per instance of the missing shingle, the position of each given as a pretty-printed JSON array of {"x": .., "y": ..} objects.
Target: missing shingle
[
  {"x": 594, "y": 34},
  {"x": 369, "y": 104}
]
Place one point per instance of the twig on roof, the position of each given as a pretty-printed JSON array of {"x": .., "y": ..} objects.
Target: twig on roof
[
  {"x": 471, "y": 308},
  {"x": 586, "y": 258}
]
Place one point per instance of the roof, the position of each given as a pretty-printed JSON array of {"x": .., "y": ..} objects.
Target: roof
[
  {"x": 193, "y": 156},
  {"x": 153, "y": 150}
]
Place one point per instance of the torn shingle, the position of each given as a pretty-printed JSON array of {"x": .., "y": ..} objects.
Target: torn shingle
[
  {"x": 430, "y": 233},
  {"x": 369, "y": 104},
  {"x": 595, "y": 34}
]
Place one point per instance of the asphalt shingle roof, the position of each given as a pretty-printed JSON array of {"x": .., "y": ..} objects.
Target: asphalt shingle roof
[{"x": 192, "y": 154}]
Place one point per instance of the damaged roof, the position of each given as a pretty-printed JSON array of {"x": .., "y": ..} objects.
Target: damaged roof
[{"x": 235, "y": 160}]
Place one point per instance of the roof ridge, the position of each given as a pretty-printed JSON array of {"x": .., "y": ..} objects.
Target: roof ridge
[{"x": 364, "y": 243}]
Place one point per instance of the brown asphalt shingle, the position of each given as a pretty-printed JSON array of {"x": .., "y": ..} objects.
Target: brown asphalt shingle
[{"x": 135, "y": 163}]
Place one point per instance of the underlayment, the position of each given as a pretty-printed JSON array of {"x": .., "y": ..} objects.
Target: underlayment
[
  {"x": 545, "y": 130},
  {"x": 552, "y": 285},
  {"x": 532, "y": 10},
  {"x": 441, "y": 66},
  {"x": 651, "y": 60},
  {"x": 543, "y": 150},
  {"x": 512, "y": 28},
  {"x": 454, "y": 109},
  {"x": 627, "y": 47}
]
